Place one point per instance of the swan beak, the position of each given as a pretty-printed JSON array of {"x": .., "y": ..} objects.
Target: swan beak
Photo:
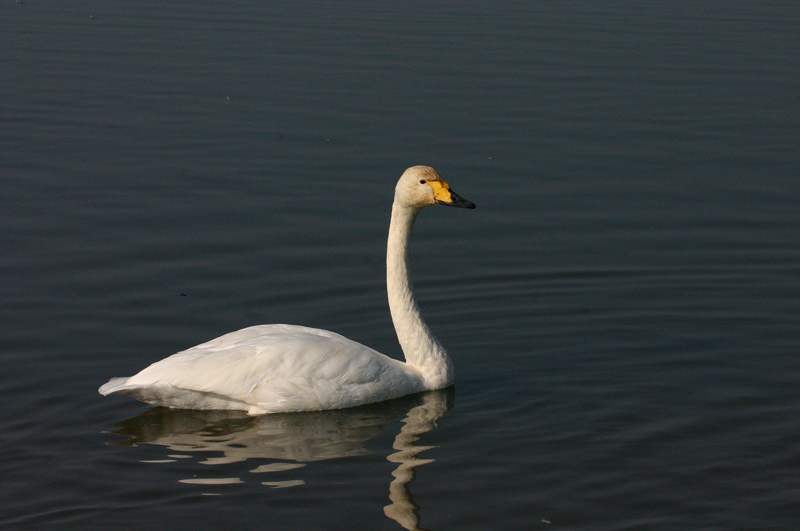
[{"x": 443, "y": 195}]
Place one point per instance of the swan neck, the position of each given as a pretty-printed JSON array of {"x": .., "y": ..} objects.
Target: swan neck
[{"x": 421, "y": 349}]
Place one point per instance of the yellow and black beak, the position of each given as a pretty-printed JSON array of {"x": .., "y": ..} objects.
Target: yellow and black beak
[{"x": 443, "y": 195}]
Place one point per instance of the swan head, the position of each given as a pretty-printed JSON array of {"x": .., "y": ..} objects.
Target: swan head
[{"x": 421, "y": 186}]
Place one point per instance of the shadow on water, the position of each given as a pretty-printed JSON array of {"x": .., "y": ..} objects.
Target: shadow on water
[{"x": 292, "y": 439}]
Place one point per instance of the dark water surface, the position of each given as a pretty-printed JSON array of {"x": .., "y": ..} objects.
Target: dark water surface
[{"x": 622, "y": 308}]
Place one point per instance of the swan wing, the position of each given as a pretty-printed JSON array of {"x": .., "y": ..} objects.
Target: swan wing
[{"x": 269, "y": 369}]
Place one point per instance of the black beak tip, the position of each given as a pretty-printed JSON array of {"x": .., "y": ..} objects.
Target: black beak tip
[{"x": 458, "y": 202}]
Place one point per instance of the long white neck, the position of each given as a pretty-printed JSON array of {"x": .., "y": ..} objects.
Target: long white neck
[{"x": 421, "y": 349}]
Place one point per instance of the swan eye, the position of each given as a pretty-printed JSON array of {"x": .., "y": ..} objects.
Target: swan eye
[{"x": 422, "y": 181}]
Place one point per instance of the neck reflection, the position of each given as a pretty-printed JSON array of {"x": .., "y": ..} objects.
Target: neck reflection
[{"x": 420, "y": 419}]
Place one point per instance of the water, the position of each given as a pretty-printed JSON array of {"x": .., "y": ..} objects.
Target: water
[{"x": 622, "y": 307}]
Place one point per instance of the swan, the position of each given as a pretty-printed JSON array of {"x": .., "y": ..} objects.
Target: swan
[{"x": 280, "y": 368}]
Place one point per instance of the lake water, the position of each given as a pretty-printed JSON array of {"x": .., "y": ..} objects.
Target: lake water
[{"x": 622, "y": 308}]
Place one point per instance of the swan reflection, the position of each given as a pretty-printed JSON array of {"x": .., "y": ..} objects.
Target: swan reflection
[{"x": 291, "y": 440}]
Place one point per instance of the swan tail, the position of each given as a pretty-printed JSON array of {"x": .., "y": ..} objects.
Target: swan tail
[
  {"x": 166, "y": 395},
  {"x": 115, "y": 385}
]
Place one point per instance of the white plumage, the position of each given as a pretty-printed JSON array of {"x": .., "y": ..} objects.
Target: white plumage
[{"x": 282, "y": 368}]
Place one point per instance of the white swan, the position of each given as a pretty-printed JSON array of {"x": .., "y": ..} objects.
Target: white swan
[{"x": 283, "y": 368}]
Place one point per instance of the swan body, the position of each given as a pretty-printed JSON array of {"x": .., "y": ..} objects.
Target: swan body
[{"x": 284, "y": 368}]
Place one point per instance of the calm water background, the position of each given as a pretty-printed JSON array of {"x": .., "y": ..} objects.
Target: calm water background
[{"x": 622, "y": 308}]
